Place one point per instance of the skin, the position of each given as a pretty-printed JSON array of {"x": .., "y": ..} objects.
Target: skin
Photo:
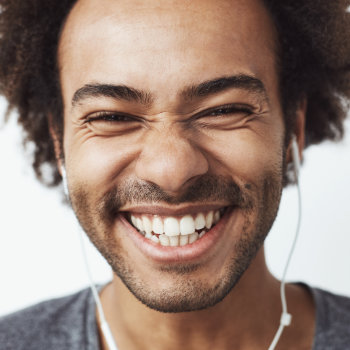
[{"x": 162, "y": 48}]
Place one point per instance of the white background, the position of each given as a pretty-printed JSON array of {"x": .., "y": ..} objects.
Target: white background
[{"x": 40, "y": 254}]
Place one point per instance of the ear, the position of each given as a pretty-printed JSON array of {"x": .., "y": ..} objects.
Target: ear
[
  {"x": 56, "y": 143},
  {"x": 299, "y": 129}
]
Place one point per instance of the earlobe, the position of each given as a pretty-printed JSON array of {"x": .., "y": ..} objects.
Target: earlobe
[{"x": 56, "y": 143}]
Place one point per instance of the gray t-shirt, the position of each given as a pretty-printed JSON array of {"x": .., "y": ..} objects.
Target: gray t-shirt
[{"x": 69, "y": 323}]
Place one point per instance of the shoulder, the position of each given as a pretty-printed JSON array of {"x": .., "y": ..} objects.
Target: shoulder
[
  {"x": 53, "y": 324},
  {"x": 332, "y": 320}
]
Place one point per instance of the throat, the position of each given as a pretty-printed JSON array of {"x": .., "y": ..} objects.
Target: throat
[{"x": 246, "y": 319}]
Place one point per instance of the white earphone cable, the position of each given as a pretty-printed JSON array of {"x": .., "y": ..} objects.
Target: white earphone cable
[
  {"x": 106, "y": 331},
  {"x": 286, "y": 318},
  {"x": 103, "y": 323}
]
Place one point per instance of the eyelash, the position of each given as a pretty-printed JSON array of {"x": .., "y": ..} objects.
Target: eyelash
[
  {"x": 225, "y": 110},
  {"x": 216, "y": 112},
  {"x": 110, "y": 117}
]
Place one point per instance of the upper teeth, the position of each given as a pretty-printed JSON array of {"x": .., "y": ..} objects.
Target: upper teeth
[{"x": 175, "y": 226}]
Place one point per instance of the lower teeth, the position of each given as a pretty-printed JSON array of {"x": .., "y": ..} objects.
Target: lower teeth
[{"x": 174, "y": 241}]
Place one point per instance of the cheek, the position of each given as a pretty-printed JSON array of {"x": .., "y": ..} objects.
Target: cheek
[
  {"x": 245, "y": 154},
  {"x": 98, "y": 161}
]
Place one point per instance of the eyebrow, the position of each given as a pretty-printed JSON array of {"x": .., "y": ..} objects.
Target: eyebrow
[
  {"x": 205, "y": 89},
  {"x": 119, "y": 92},
  {"x": 211, "y": 87}
]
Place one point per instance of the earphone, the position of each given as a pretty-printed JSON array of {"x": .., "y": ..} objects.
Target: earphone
[
  {"x": 64, "y": 181},
  {"x": 295, "y": 156},
  {"x": 286, "y": 317},
  {"x": 106, "y": 331}
]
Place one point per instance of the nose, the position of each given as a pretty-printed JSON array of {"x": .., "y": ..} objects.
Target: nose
[{"x": 170, "y": 161}]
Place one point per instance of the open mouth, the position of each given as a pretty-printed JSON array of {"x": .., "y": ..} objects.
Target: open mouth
[{"x": 175, "y": 231}]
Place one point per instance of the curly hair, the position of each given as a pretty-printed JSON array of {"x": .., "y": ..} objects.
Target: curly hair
[{"x": 314, "y": 61}]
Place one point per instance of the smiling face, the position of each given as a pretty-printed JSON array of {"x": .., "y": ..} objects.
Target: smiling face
[{"x": 173, "y": 141}]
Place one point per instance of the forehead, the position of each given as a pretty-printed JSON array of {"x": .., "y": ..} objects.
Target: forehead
[{"x": 161, "y": 45}]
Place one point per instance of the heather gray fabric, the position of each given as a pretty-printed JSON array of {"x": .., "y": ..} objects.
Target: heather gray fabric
[
  {"x": 69, "y": 324},
  {"x": 332, "y": 321}
]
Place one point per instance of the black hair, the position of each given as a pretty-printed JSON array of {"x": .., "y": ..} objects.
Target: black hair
[{"x": 314, "y": 56}]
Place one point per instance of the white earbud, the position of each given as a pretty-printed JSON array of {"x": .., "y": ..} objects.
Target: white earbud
[
  {"x": 295, "y": 156},
  {"x": 64, "y": 181}
]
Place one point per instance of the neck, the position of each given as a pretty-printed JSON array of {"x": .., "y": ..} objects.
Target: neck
[{"x": 247, "y": 318}]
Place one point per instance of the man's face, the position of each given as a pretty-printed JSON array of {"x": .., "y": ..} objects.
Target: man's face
[{"x": 173, "y": 140}]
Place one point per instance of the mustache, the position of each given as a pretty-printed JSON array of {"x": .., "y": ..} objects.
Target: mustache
[{"x": 207, "y": 188}]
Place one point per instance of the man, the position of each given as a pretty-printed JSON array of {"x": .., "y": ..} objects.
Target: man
[{"x": 174, "y": 124}]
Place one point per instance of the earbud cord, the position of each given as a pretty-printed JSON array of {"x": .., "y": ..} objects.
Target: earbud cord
[
  {"x": 286, "y": 318},
  {"x": 106, "y": 331}
]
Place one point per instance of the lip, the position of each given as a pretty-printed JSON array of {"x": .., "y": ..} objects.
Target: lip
[
  {"x": 167, "y": 211},
  {"x": 181, "y": 254}
]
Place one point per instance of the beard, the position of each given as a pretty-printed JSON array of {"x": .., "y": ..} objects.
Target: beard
[{"x": 186, "y": 292}]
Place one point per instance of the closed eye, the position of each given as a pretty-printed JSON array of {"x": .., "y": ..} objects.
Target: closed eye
[
  {"x": 226, "y": 117},
  {"x": 111, "y": 123},
  {"x": 226, "y": 110},
  {"x": 110, "y": 117}
]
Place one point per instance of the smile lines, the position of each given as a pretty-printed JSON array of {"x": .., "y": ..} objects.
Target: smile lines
[{"x": 175, "y": 231}]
